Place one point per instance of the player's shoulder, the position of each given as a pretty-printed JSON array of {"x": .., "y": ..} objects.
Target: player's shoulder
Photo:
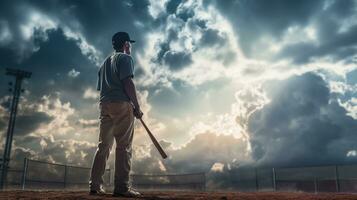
[
  {"x": 121, "y": 55},
  {"x": 125, "y": 59},
  {"x": 125, "y": 56}
]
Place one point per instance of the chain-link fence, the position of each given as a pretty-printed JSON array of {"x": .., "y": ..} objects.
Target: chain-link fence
[
  {"x": 44, "y": 175},
  {"x": 310, "y": 179},
  {"x": 339, "y": 178},
  {"x": 334, "y": 178},
  {"x": 13, "y": 179}
]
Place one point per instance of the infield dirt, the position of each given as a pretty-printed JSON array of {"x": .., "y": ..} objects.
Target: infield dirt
[{"x": 72, "y": 195}]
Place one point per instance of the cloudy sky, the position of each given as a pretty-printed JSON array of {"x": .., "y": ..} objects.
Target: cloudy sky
[{"x": 222, "y": 83}]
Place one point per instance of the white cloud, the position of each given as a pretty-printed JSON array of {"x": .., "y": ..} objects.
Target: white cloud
[
  {"x": 351, "y": 153},
  {"x": 43, "y": 143},
  {"x": 217, "y": 167},
  {"x": 53, "y": 107},
  {"x": 23, "y": 42},
  {"x": 350, "y": 106},
  {"x": 37, "y": 21},
  {"x": 198, "y": 154},
  {"x": 206, "y": 67},
  {"x": 341, "y": 87},
  {"x": 338, "y": 87},
  {"x": 248, "y": 100},
  {"x": 86, "y": 48},
  {"x": 88, "y": 122},
  {"x": 205, "y": 59},
  {"x": 157, "y": 7},
  {"x": 73, "y": 73},
  {"x": 89, "y": 93}
]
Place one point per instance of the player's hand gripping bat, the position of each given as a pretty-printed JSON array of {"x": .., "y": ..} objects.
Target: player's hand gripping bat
[{"x": 153, "y": 139}]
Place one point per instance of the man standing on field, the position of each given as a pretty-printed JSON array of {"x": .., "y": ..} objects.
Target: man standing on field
[{"x": 118, "y": 106}]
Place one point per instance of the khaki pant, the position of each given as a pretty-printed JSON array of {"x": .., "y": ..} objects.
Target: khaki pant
[{"x": 116, "y": 121}]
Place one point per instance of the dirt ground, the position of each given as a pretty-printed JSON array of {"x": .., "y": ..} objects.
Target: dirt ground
[{"x": 72, "y": 195}]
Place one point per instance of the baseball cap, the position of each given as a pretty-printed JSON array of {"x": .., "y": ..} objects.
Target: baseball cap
[{"x": 121, "y": 37}]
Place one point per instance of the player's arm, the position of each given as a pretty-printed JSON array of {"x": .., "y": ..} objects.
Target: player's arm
[
  {"x": 126, "y": 69},
  {"x": 130, "y": 90}
]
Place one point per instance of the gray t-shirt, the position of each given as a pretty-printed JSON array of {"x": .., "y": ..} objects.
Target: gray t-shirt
[{"x": 115, "y": 68}]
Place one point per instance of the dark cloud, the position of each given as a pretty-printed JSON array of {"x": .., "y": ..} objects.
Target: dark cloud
[
  {"x": 163, "y": 48},
  {"x": 51, "y": 54},
  {"x": 172, "y": 5},
  {"x": 302, "y": 120},
  {"x": 177, "y": 60},
  {"x": 111, "y": 16},
  {"x": 29, "y": 122},
  {"x": 341, "y": 9},
  {"x": 185, "y": 13},
  {"x": 211, "y": 37},
  {"x": 26, "y": 122},
  {"x": 52, "y": 66},
  {"x": 253, "y": 19},
  {"x": 338, "y": 46},
  {"x": 331, "y": 40},
  {"x": 174, "y": 21}
]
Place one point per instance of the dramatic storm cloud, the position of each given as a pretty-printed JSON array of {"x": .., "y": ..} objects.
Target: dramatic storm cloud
[
  {"x": 222, "y": 84},
  {"x": 303, "y": 120}
]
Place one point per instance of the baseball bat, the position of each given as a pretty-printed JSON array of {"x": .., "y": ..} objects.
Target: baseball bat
[{"x": 153, "y": 139}]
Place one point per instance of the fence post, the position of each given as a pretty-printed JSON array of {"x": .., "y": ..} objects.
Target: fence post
[
  {"x": 65, "y": 176},
  {"x": 337, "y": 180},
  {"x": 274, "y": 179},
  {"x": 24, "y": 173},
  {"x": 315, "y": 185},
  {"x": 204, "y": 181},
  {"x": 256, "y": 179},
  {"x": 110, "y": 177}
]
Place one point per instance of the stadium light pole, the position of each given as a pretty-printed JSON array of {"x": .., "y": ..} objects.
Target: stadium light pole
[{"x": 19, "y": 75}]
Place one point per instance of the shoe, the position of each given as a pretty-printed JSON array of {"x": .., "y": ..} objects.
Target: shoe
[
  {"x": 100, "y": 191},
  {"x": 130, "y": 193}
]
